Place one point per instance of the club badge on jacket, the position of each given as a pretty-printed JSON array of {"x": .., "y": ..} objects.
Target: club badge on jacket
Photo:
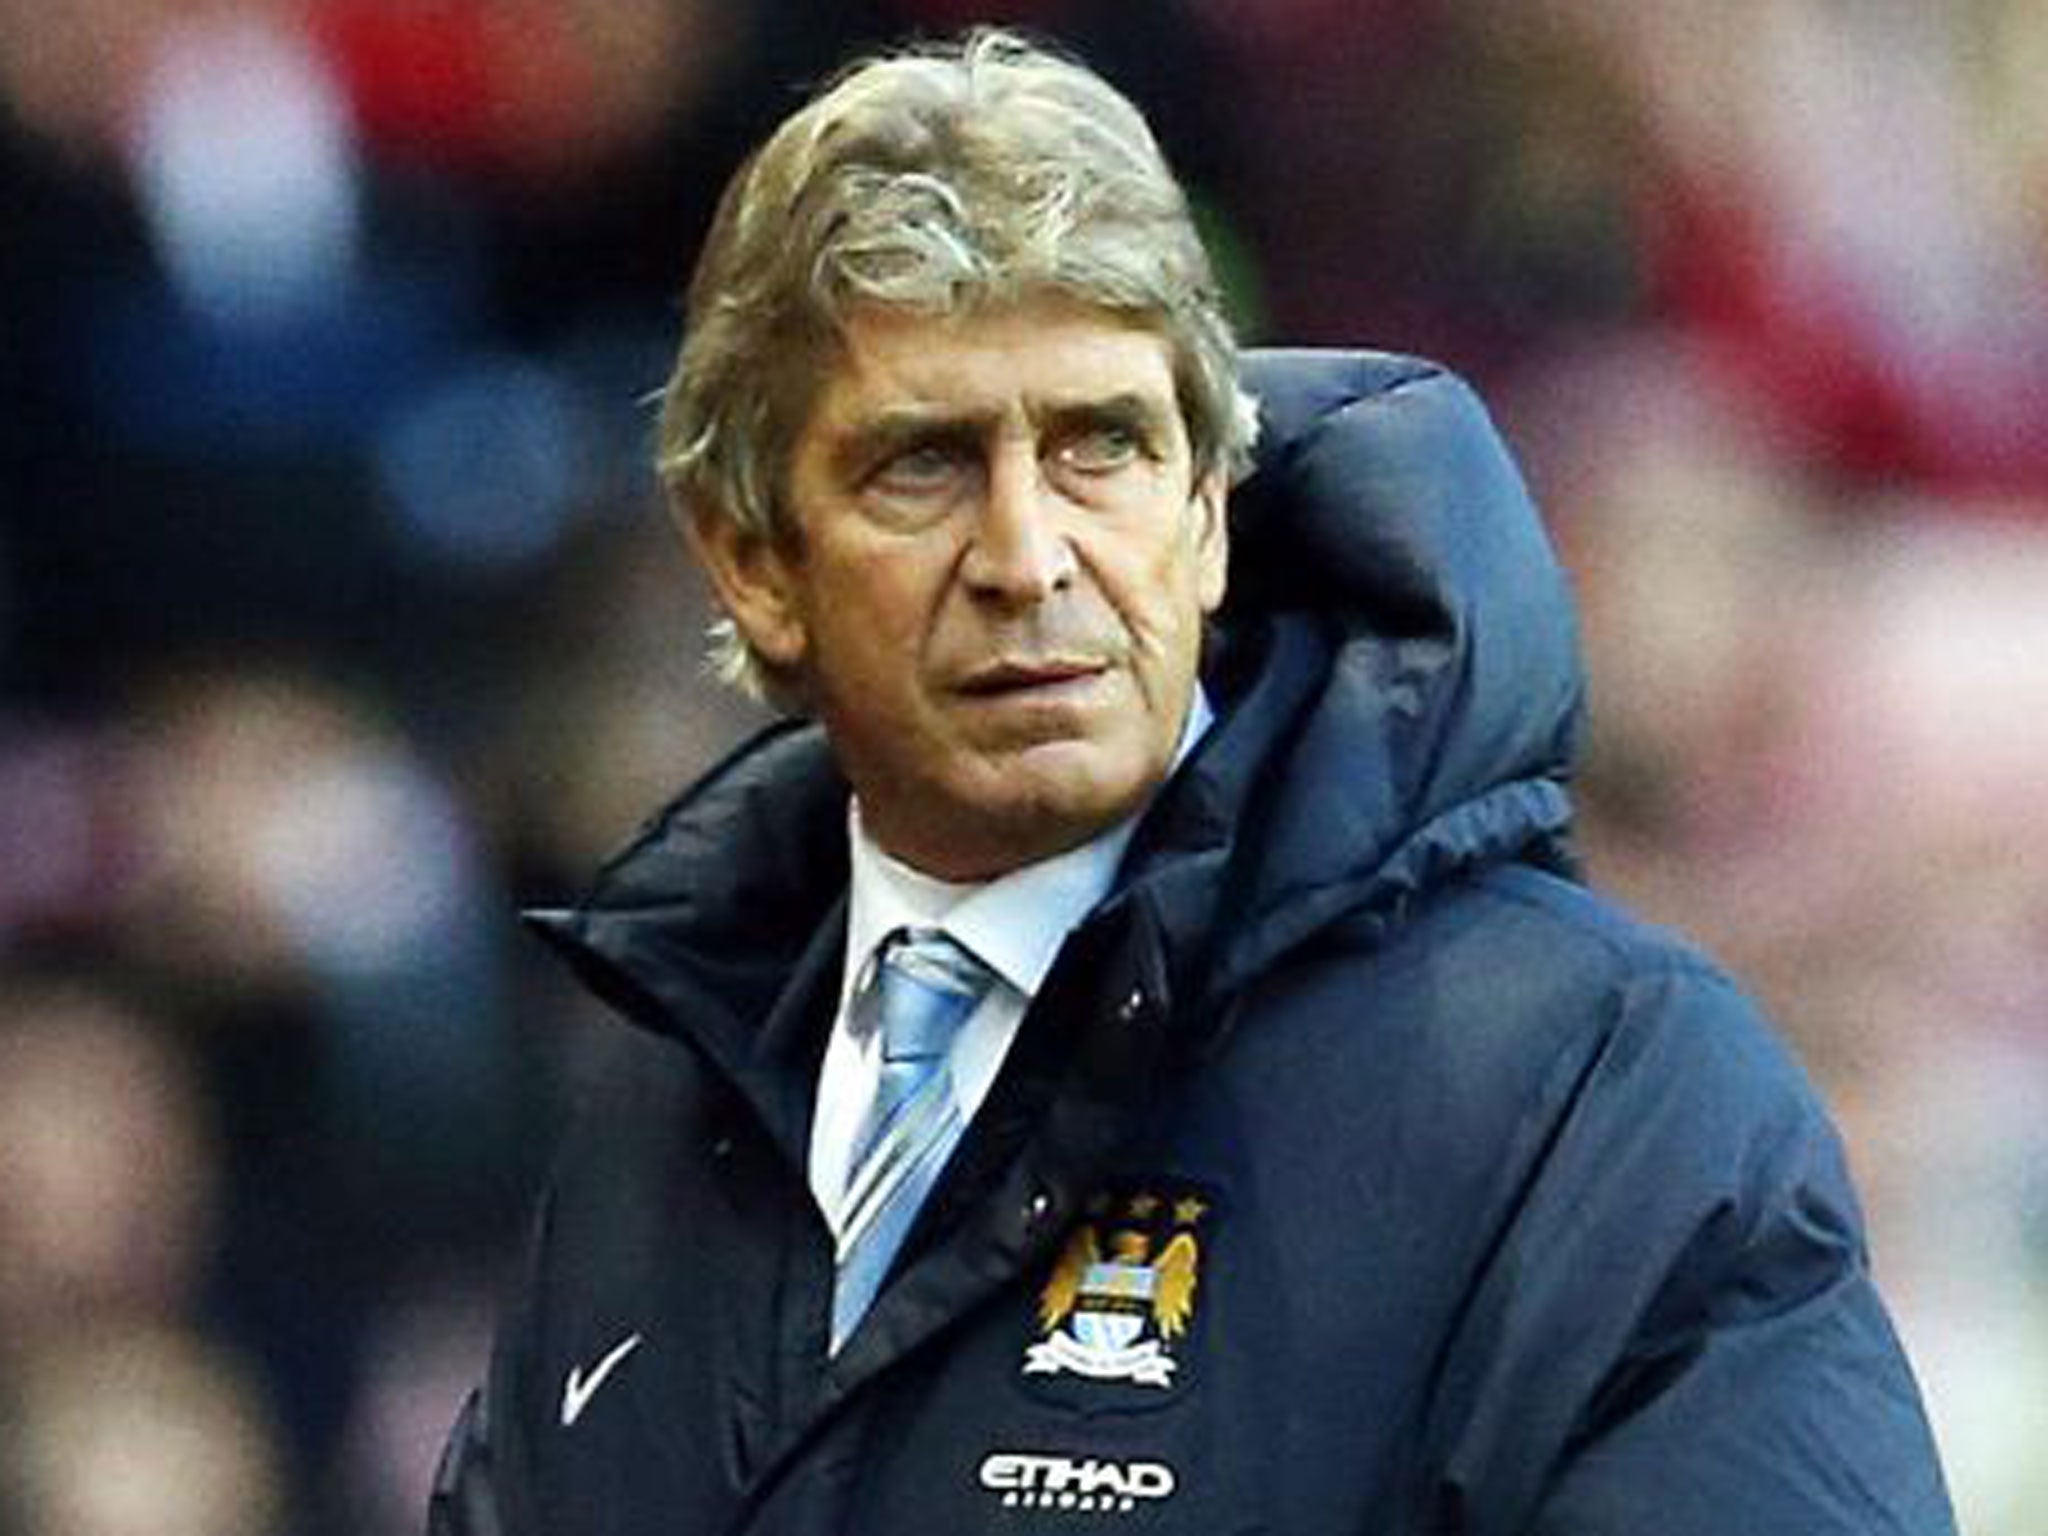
[{"x": 1124, "y": 1291}]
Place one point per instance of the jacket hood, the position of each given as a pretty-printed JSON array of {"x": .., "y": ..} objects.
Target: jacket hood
[
  {"x": 1398, "y": 688},
  {"x": 1401, "y": 689}
]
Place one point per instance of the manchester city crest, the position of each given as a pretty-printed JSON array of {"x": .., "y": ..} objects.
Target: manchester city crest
[{"x": 1124, "y": 1291}]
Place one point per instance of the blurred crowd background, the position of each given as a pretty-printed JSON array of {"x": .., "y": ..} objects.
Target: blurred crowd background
[{"x": 339, "y": 619}]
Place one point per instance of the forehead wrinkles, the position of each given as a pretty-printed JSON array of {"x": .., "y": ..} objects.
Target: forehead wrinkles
[
  {"x": 1139, "y": 410},
  {"x": 1042, "y": 360}
]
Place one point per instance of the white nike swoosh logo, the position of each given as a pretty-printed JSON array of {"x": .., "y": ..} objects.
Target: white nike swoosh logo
[{"x": 578, "y": 1389}]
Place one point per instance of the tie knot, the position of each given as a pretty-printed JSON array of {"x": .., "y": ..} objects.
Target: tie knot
[{"x": 924, "y": 987}]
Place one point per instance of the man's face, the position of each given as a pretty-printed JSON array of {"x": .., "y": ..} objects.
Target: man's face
[{"x": 1004, "y": 557}]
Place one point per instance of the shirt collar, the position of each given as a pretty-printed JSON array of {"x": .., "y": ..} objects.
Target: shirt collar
[{"x": 1015, "y": 923}]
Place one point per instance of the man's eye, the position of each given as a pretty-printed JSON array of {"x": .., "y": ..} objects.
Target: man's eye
[
  {"x": 1101, "y": 450},
  {"x": 930, "y": 467}
]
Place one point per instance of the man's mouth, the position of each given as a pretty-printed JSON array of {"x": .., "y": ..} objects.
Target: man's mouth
[{"x": 1007, "y": 678}]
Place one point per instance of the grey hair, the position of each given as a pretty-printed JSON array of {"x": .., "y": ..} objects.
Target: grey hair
[{"x": 937, "y": 180}]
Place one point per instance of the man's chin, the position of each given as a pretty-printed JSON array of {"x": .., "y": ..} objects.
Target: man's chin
[
  {"x": 998, "y": 801},
  {"x": 1045, "y": 797}
]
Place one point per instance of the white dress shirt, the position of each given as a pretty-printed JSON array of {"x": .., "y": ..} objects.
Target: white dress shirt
[{"x": 1013, "y": 924}]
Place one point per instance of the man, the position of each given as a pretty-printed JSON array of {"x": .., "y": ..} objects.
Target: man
[{"x": 1141, "y": 1058}]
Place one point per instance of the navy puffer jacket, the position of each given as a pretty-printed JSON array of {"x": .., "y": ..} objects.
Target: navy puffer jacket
[{"x": 1356, "y": 1170}]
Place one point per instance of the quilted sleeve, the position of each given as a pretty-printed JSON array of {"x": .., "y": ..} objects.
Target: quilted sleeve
[{"x": 1680, "y": 1332}]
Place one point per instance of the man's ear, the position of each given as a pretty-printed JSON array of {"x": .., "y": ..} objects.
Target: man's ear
[
  {"x": 1212, "y": 537},
  {"x": 756, "y": 586}
]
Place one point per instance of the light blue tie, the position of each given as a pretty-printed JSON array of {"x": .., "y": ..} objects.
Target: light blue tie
[{"x": 922, "y": 988}]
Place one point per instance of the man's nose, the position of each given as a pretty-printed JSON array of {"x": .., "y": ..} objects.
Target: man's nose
[{"x": 1019, "y": 551}]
